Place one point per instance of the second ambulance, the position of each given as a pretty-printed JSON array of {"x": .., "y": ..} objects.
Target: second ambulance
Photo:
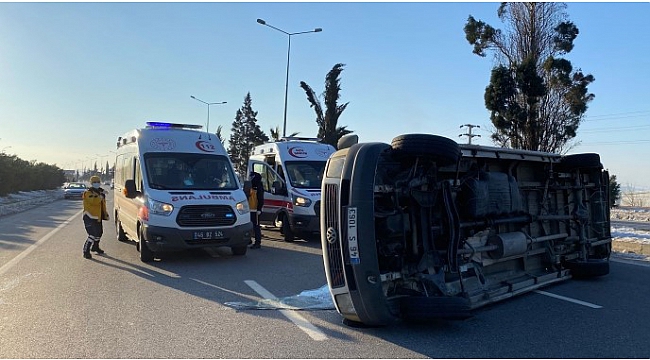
[{"x": 292, "y": 171}]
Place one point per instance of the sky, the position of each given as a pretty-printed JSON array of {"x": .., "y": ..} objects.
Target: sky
[{"x": 76, "y": 76}]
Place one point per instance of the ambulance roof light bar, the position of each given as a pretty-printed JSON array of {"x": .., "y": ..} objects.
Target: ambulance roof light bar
[
  {"x": 166, "y": 125},
  {"x": 297, "y": 138}
]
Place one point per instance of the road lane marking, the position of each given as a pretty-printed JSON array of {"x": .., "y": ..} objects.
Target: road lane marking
[
  {"x": 295, "y": 318},
  {"x": 11, "y": 263},
  {"x": 575, "y": 301}
]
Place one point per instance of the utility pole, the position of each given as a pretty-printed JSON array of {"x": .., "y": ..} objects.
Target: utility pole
[{"x": 469, "y": 133}]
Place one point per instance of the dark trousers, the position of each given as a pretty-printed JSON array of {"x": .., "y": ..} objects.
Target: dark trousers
[
  {"x": 93, "y": 227},
  {"x": 257, "y": 230},
  {"x": 95, "y": 231}
]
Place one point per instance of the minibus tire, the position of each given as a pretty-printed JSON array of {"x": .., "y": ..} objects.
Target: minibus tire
[
  {"x": 585, "y": 269},
  {"x": 146, "y": 255},
  {"x": 422, "y": 308},
  {"x": 443, "y": 150},
  {"x": 580, "y": 161}
]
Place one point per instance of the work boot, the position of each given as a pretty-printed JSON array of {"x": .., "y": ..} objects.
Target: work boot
[
  {"x": 87, "y": 246},
  {"x": 96, "y": 248}
]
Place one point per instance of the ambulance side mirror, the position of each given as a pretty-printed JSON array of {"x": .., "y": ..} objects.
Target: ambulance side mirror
[{"x": 129, "y": 189}]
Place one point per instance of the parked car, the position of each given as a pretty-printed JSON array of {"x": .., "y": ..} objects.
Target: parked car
[{"x": 74, "y": 190}]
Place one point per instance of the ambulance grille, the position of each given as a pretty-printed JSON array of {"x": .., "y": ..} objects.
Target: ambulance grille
[{"x": 206, "y": 215}]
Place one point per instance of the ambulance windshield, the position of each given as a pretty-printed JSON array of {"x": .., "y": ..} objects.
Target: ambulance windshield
[
  {"x": 305, "y": 174},
  {"x": 189, "y": 171}
]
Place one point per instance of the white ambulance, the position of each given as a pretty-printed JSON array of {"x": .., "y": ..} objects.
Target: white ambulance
[
  {"x": 175, "y": 189},
  {"x": 292, "y": 170}
]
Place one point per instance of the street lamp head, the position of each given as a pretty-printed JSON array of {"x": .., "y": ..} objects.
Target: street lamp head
[
  {"x": 260, "y": 21},
  {"x": 192, "y": 96},
  {"x": 318, "y": 30}
]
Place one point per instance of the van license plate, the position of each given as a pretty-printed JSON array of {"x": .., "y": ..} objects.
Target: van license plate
[
  {"x": 353, "y": 242},
  {"x": 208, "y": 235}
]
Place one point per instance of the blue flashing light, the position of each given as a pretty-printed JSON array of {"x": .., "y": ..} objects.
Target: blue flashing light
[{"x": 166, "y": 125}]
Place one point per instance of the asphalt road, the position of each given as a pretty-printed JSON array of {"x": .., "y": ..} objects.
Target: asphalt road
[{"x": 55, "y": 304}]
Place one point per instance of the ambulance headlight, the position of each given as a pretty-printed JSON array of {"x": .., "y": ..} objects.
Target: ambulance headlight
[
  {"x": 242, "y": 207},
  {"x": 300, "y": 200},
  {"x": 159, "y": 208}
]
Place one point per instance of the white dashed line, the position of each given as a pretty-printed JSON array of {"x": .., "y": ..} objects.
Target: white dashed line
[
  {"x": 575, "y": 301},
  {"x": 295, "y": 318}
]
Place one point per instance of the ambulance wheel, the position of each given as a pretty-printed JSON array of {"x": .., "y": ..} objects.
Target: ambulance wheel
[
  {"x": 239, "y": 250},
  {"x": 287, "y": 232},
  {"x": 121, "y": 235},
  {"x": 146, "y": 255}
]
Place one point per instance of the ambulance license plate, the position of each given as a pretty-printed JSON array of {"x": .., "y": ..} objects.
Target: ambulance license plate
[{"x": 208, "y": 235}]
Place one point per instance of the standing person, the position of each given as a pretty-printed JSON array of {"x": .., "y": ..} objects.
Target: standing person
[
  {"x": 95, "y": 212},
  {"x": 255, "y": 203}
]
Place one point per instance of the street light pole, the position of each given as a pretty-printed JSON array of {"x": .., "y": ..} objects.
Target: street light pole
[
  {"x": 207, "y": 127},
  {"x": 286, "y": 83}
]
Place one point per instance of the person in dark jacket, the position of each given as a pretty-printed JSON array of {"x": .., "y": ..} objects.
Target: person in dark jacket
[{"x": 255, "y": 203}]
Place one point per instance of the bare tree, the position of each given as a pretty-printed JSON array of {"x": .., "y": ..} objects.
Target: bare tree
[{"x": 631, "y": 197}]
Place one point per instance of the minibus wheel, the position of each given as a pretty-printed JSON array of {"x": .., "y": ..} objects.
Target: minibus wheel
[
  {"x": 580, "y": 161},
  {"x": 584, "y": 269},
  {"x": 445, "y": 151}
]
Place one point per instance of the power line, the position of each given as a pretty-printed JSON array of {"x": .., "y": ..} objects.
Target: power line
[
  {"x": 617, "y": 128},
  {"x": 624, "y": 115},
  {"x": 630, "y": 142}
]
